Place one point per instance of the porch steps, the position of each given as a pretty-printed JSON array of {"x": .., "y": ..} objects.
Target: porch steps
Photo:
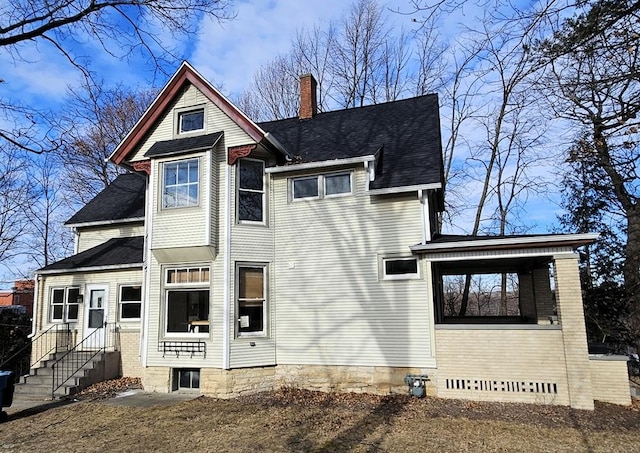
[{"x": 39, "y": 382}]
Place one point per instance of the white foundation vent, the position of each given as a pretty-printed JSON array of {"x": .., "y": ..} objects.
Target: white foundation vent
[{"x": 484, "y": 385}]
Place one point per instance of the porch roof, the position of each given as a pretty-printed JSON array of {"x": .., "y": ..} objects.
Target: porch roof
[
  {"x": 467, "y": 243},
  {"x": 117, "y": 252}
]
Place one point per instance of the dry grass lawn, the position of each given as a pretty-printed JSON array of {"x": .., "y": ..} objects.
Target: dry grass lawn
[{"x": 301, "y": 421}]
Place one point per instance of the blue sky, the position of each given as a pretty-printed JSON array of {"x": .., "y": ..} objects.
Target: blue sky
[{"x": 228, "y": 54}]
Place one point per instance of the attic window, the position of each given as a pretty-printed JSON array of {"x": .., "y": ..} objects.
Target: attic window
[{"x": 191, "y": 121}]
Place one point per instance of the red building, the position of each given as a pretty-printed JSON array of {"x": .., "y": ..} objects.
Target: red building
[{"x": 20, "y": 294}]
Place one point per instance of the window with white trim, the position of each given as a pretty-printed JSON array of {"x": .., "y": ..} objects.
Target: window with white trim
[
  {"x": 251, "y": 193},
  {"x": 321, "y": 186},
  {"x": 180, "y": 184},
  {"x": 251, "y": 300},
  {"x": 191, "y": 121},
  {"x": 64, "y": 304},
  {"x": 130, "y": 302},
  {"x": 402, "y": 268},
  {"x": 186, "y": 378},
  {"x": 187, "y": 301}
]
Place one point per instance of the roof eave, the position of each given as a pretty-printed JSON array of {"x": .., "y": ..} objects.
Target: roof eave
[
  {"x": 320, "y": 164},
  {"x": 564, "y": 240},
  {"x": 104, "y": 222},
  {"x": 186, "y": 73},
  {"x": 89, "y": 269}
]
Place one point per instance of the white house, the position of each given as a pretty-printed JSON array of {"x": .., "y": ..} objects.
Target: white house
[{"x": 240, "y": 256}]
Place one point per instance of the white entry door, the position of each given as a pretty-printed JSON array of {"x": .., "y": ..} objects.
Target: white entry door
[{"x": 96, "y": 310}]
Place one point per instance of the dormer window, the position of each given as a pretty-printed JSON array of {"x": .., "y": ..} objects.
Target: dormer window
[{"x": 191, "y": 121}]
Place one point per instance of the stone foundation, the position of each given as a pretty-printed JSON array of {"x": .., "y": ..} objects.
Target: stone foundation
[{"x": 233, "y": 383}]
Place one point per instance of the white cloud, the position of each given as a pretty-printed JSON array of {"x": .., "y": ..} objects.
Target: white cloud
[{"x": 229, "y": 54}]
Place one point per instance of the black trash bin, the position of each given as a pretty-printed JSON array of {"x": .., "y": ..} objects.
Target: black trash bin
[{"x": 6, "y": 392}]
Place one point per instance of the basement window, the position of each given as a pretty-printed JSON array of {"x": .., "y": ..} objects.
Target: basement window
[{"x": 186, "y": 378}]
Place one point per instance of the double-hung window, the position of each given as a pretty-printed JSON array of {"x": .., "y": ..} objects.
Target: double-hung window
[
  {"x": 180, "y": 184},
  {"x": 187, "y": 301},
  {"x": 252, "y": 302},
  {"x": 64, "y": 304},
  {"x": 130, "y": 302},
  {"x": 251, "y": 193},
  {"x": 321, "y": 186}
]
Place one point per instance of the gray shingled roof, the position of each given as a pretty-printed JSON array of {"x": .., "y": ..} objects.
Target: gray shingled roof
[
  {"x": 408, "y": 132},
  {"x": 183, "y": 145},
  {"x": 122, "y": 199},
  {"x": 114, "y": 252}
]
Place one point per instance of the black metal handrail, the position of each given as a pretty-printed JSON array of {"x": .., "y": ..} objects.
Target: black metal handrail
[
  {"x": 55, "y": 338},
  {"x": 67, "y": 366}
]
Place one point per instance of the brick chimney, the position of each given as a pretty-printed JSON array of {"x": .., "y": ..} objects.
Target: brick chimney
[{"x": 308, "y": 102}]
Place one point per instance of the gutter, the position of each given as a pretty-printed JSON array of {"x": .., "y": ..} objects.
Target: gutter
[
  {"x": 105, "y": 222},
  {"x": 575, "y": 240},
  {"x": 320, "y": 164},
  {"x": 91, "y": 268}
]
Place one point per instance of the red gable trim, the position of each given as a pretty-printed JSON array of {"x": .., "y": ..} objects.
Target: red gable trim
[
  {"x": 185, "y": 74},
  {"x": 237, "y": 152}
]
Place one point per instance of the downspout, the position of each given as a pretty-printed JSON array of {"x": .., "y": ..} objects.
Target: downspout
[
  {"x": 424, "y": 208},
  {"x": 148, "y": 224},
  {"x": 34, "y": 307},
  {"x": 76, "y": 240},
  {"x": 207, "y": 226},
  {"x": 227, "y": 268}
]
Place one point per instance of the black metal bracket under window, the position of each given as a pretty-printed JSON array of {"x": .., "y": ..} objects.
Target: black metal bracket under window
[{"x": 183, "y": 347}]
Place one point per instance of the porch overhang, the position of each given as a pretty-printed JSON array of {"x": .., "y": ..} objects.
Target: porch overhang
[{"x": 453, "y": 248}]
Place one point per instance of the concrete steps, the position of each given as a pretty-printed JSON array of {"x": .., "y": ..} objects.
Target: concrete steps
[{"x": 98, "y": 367}]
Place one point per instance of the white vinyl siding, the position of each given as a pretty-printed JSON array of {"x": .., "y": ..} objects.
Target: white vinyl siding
[
  {"x": 91, "y": 236},
  {"x": 215, "y": 121},
  {"x": 252, "y": 243},
  {"x": 114, "y": 279},
  {"x": 327, "y": 281},
  {"x": 170, "y": 225}
]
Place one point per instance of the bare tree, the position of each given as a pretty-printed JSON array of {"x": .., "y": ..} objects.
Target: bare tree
[
  {"x": 594, "y": 82},
  {"x": 45, "y": 239},
  {"x": 15, "y": 196},
  {"x": 96, "y": 119},
  {"x": 123, "y": 28},
  {"x": 358, "y": 60}
]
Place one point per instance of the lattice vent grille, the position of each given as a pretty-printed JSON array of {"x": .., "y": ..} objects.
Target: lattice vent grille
[{"x": 485, "y": 385}]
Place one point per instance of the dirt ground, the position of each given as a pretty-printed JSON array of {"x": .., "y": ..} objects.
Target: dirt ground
[{"x": 301, "y": 421}]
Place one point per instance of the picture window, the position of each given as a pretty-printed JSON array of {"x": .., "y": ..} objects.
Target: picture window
[{"x": 187, "y": 301}]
